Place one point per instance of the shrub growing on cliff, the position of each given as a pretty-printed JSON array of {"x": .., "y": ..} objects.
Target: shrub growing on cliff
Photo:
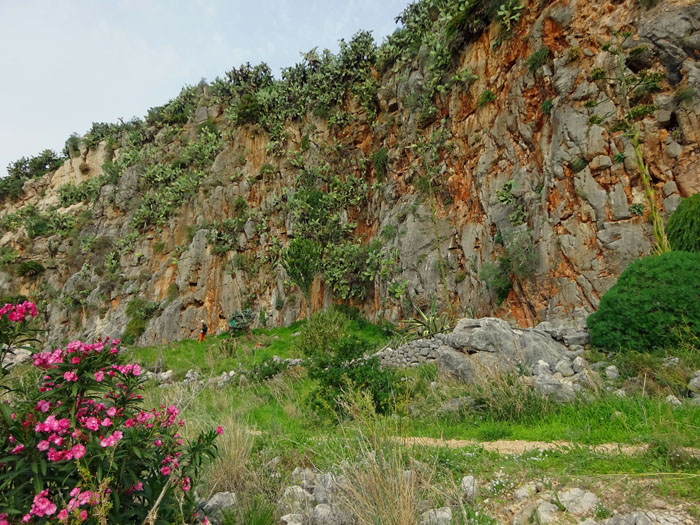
[
  {"x": 652, "y": 297},
  {"x": 683, "y": 228},
  {"x": 77, "y": 447}
]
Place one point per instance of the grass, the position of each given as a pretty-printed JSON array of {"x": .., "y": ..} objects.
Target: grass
[{"x": 271, "y": 422}]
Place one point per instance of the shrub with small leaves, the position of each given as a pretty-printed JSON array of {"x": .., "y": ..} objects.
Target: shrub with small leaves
[{"x": 652, "y": 298}]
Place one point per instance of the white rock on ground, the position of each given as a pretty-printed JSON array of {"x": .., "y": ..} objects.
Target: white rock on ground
[
  {"x": 295, "y": 500},
  {"x": 470, "y": 489},
  {"x": 579, "y": 364},
  {"x": 546, "y": 513},
  {"x": 694, "y": 384},
  {"x": 673, "y": 400},
  {"x": 442, "y": 516},
  {"x": 218, "y": 504},
  {"x": 578, "y": 502},
  {"x": 292, "y": 519},
  {"x": 611, "y": 372}
]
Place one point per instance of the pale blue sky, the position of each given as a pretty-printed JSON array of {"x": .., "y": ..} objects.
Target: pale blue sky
[{"x": 67, "y": 63}]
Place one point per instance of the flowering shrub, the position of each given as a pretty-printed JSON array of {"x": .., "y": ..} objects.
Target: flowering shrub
[
  {"x": 14, "y": 329},
  {"x": 78, "y": 448}
]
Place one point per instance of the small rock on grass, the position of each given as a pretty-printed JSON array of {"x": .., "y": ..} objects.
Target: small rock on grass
[
  {"x": 546, "y": 513},
  {"x": 442, "y": 516},
  {"x": 578, "y": 502},
  {"x": 470, "y": 489}
]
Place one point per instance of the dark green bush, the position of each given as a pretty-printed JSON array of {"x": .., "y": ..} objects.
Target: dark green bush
[
  {"x": 653, "y": 296},
  {"x": 380, "y": 160},
  {"x": 139, "y": 311},
  {"x": 29, "y": 268},
  {"x": 337, "y": 362},
  {"x": 683, "y": 228},
  {"x": 268, "y": 368},
  {"x": 537, "y": 59}
]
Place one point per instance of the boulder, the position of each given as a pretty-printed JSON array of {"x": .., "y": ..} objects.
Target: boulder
[
  {"x": 578, "y": 502},
  {"x": 470, "y": 488},
  {"x": 441, "y": 516},
  {"x": 295, "y": 500},
  {"x": 218, "y": 504}
]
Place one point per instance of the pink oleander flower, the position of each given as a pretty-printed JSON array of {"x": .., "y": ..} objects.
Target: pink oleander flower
[
  {"x": 219, "y": 430},
  {"x": 112, "y": 411},
  {"x": 106, "y": 422},
  {"x": 62, "y": 515},
  {"x": 165, "y": 470},
  {"x": 78, "y": 451},
  {"x": 99, "y": 376},
  {"x": 42, "y": 506},
  {"x": 43, "y": 406},
  {"x": 26, "y": 518},
  {"x": 158, "y": 442},
  {"x": 19, "y": 448},
  {"x": 43, "y": 445},
  {"x": 92, "y": 423},
  {"x": 83, "y": 515},
  {"x": 70, "y": 376},
  {"x": 111, "y": 440}
]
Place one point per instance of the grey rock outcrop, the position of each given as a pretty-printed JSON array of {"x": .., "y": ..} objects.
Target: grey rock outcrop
[{"x": 218, "y": 504}]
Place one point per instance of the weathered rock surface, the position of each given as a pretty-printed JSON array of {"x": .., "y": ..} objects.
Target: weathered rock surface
[{"x": 577, "y": 222}]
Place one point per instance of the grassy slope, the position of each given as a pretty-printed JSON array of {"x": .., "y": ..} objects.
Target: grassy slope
[{"x": 276, "y": 411}]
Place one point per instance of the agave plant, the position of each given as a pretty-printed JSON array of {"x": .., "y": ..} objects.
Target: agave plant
[{"x": 427, "y": 325}]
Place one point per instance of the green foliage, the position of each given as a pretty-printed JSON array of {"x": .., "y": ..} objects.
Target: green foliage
[
  {"x": 86, "y": 191},
  {"x": 430, "y": 323},
  {"x": 638, "y": 208},
  {"x": 176, "y": 112},
  {"x": 336, "y": 359},
  {"x": 72, "y": 146},
  {"x": 509, "y": 14},
  {"x": 343, "y": 268},
  {"x": 30, "y": 268},
  {"x": 505, "y": 196},
  {"x": 487, "y": 96},
  {"x": 240, "y": 321},
  {"x": 302, "y": 262},
  {"x": 683, "y": 227},
  {"x": 20, "y": 171},
  {"x": 537, "y": 59},
  {"x": 267, "y": 368},
  {"x": 223, "y": 237},
  {"x": 578, "y": 164},
  {"x": 8, "y": 256},
  {"x": 518, "y": 261},
  {"x": 653, "y": 296},
  {"x": 380, "y": 161},
  {"x": 139, "y": 311},
  {"x": 546, "y": 106},
  {"x": 38, "y": 224}
]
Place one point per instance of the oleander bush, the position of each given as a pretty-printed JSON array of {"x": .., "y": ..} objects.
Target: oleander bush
[
  {"x": 78, "y": 446},
  {"x": 652, "y": 299}
]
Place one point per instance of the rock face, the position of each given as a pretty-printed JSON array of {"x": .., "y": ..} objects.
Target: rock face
[{"x": 528, "y": 173}]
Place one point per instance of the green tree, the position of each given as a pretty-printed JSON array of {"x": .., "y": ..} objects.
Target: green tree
[{"x": 302, "y": 260}]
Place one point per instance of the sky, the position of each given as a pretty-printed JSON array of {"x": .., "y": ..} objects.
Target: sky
[{"x": 67, "y": 63}]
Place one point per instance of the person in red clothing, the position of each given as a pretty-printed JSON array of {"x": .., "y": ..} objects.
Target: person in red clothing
[{"x": 203, "y": 332}]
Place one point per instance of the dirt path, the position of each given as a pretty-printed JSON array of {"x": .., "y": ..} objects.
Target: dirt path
[{"x": 520, "y": 446}]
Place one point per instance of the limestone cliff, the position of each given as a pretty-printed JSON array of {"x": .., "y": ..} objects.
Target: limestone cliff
[{"x": 502, "y": 168}]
